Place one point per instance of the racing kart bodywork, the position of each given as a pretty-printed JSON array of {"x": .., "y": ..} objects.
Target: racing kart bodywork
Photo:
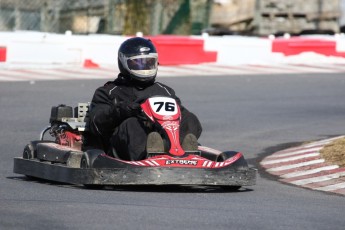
[{"x": 62, "y": 160}]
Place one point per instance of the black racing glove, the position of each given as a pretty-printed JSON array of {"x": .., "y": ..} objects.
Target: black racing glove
[{"x": 129, "y": 109}]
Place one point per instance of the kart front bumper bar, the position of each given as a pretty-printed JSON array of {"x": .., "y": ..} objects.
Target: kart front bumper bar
[{"x": 135, "y": 175}]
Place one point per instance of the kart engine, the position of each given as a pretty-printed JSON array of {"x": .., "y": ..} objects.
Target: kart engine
[{"x": 67, "y": 126}]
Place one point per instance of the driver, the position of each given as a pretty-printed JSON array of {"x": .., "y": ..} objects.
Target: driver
[{"x": 115, "y": 122}]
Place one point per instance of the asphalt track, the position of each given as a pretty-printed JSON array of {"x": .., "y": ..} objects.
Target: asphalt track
[{"x": 256, "y": 114}]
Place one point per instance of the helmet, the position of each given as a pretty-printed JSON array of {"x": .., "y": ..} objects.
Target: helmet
[{"x": 138, "y": 60}]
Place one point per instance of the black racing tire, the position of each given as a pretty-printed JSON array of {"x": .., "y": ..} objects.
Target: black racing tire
[
  {"x": 86, "y": 162},
  {"x": 241, "y": 163},
  {"x": 228, "y": 154},
  {"x": 89, "y": 157},
  {"x": 29, "y": 152},
  {"x": 74, "y": 159}
]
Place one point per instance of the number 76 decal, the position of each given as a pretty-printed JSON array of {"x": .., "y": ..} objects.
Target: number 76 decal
[
  {"x": 163, "y": 105},
  {"x": 169, "y": 106}
]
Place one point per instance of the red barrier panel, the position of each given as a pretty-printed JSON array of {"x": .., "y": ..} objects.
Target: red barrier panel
[
  {"x": 88, "y": 63},
  {"x": 299, "y": 45},
  {"x": 179, "y": 50},
  {"x": 3, "y": 54}
]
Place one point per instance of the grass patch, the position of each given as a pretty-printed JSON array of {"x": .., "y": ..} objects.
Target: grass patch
[{"x": 334, "y": 153}]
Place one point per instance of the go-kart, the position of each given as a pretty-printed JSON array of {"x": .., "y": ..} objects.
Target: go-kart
[{"x": 61, "y": 159}]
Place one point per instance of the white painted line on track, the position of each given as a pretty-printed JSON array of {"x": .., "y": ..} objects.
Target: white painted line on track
[
  {"x": 207, "y": 69},
  {"x": 295, "y": 152},
  {"x": 76, "y": 74},
  {"x": 311, "y": 171},
  {"x": 338, "y": 68},
  {"x": 308, "y": 172},
  {"x": 218, "y": 70},
  {"x": 286, "y": 167},
  {"x": 14, "y": 73},
  {"x": 313, "y": 69},
  {"x": 182, "y": 71},
  {"x": 332, "y": 187},
  {"x": 318, "y": 144},
  {"x": 322, "y": 143},
  {"x": 274, "y": 69},
  {"x": 242, "y": 69},
  {"x": 318, "y": 179},
  {"x": 9, "y": 79},
  {"x": 289, "y": 159},
  {"x": 42, "y": 75},
  {"x": 295, "y": 68}
]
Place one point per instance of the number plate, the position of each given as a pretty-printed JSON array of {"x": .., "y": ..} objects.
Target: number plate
[{"x": 163, "y": 106}]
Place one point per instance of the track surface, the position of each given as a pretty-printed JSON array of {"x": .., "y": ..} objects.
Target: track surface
[{"x": 255, "y": 114}]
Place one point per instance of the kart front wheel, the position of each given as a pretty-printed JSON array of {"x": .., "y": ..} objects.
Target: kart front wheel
[
  {"x": 28, "y": 152},
  {"x": 89, "y": 157},
  {"x": 86, "y": 162},
  {"x": 228, "y": 154}
]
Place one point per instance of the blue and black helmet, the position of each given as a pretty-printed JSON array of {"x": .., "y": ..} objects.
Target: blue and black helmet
[{"x": 138, "y": 59}]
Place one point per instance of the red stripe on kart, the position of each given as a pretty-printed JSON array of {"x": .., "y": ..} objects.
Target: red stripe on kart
[{"x": 232, "y": 159}]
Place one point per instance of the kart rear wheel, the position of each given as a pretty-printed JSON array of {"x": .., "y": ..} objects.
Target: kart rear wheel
[
  {"x": 30, "y": 150},
  {"x": 74, "y": 159},
  {"x": 29, "y": 153}
]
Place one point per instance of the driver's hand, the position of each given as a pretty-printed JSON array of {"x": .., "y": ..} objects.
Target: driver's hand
[{"x": 129, "y": 109}]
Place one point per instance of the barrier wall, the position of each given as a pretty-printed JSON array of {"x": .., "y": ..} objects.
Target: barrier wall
[
  {"x": 3, "y": 53},
  {"x": 36, "y": 49},
  {"x": 239, "y": 50},
  {"x": 33, "y": 48},
  {"x": 179, "y": 50},
  {"x": 298, "y": 45}
]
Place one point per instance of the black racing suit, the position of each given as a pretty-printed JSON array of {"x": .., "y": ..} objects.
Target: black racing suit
[{"x": 122, "y": 135}]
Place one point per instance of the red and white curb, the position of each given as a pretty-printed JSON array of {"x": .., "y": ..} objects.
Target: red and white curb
[
  {"x": 110, "y": 72},
  {"x": 303, "y": 166}
]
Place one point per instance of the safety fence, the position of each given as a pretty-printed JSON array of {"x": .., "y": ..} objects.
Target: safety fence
[{"x": 106, "y": 16}]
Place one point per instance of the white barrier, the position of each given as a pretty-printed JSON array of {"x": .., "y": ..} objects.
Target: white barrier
[
  {"x": 37, "y": 49},
  {"x": 235, "y": 50}
]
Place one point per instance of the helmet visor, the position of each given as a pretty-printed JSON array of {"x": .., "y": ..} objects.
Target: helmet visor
[{"x": 142, "y": 62}]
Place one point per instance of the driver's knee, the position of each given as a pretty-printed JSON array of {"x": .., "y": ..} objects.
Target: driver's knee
[
  {"x": 190, "y": 124},
  {"x": 130, "y": 124},
  {"x": 129, "y": 139}
]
